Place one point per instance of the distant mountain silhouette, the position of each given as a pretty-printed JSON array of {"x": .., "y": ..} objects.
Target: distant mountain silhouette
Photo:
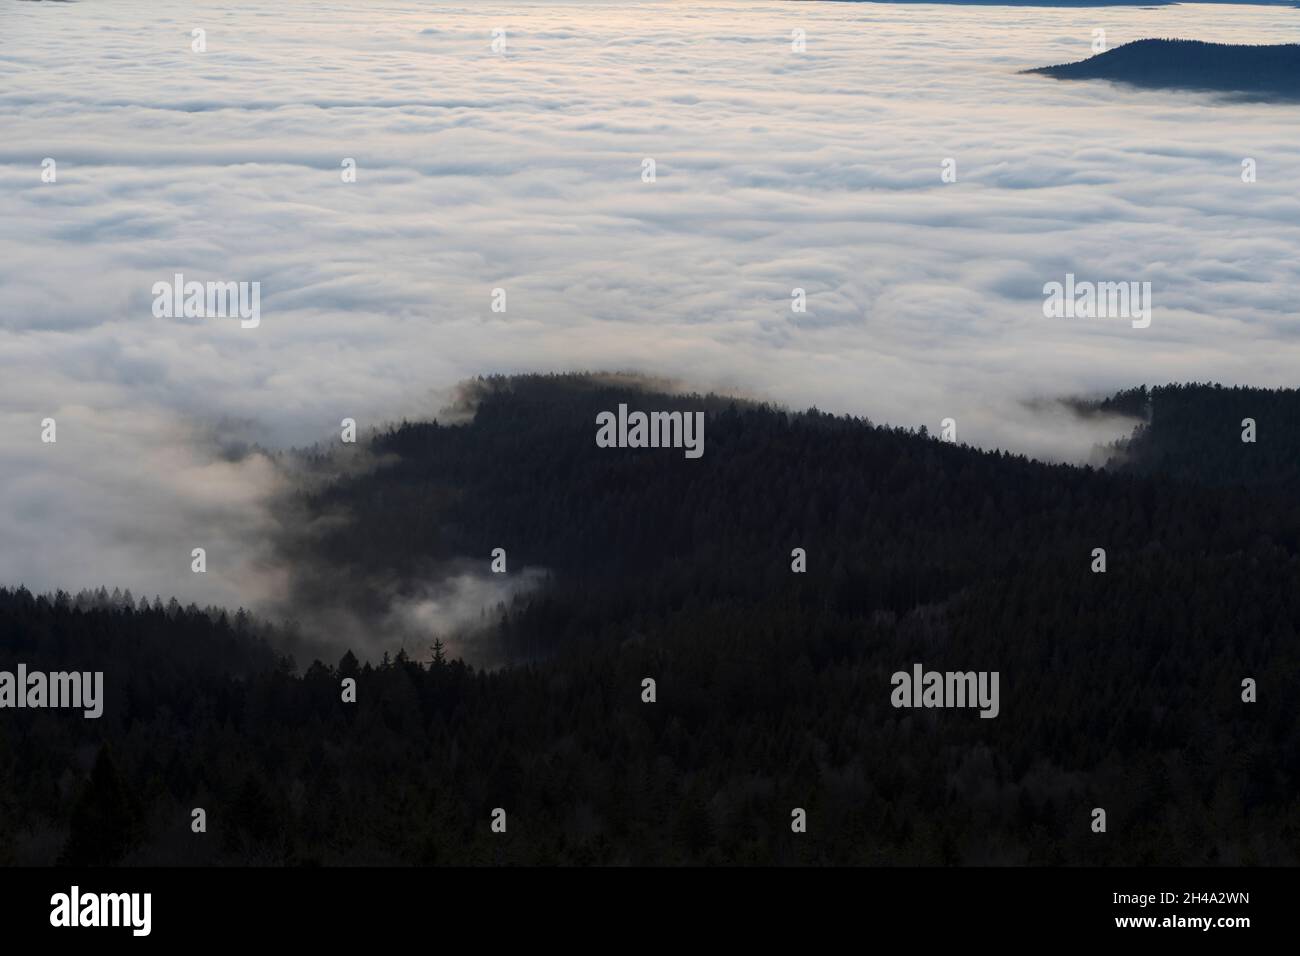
[
  {"x": 1270, "y": 72},
  {"x": 1075, "y": 3}
]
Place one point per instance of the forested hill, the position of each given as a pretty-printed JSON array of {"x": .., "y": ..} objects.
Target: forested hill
[
  {"x": 1203, "y": 433},
  {"x": 1264, "y": 71},
  {"x": 1120, "y": 690}
]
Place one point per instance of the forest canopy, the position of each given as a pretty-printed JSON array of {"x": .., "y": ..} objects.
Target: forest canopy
[{"x": 1120, "y": 690}]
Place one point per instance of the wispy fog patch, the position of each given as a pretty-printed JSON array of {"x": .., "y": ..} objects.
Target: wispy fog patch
[
  {"x": 342, "y": 609},
  {"x": 1063, "y": 426},
  {"x": 123, "y": 498},
  {"x": 463, "y": 609}
]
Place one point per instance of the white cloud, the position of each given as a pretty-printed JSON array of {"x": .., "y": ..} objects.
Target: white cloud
[{"x": 775, "y": 170}]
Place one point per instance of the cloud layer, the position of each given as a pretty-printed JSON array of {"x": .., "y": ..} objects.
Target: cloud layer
[{"x": 522, "y": 170}]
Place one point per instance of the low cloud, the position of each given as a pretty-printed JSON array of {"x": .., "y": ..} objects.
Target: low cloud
[{"x": 522, "y": 171}]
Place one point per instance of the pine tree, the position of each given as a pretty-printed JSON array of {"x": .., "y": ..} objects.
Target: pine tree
[{"x": 105, "y": 820}]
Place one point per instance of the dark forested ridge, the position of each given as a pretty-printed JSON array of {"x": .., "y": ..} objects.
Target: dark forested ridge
[
  {"x": 1119, "y": 690},
  {"x": 1265, "y": 71},
  {"x": 1194, "y": 432}
]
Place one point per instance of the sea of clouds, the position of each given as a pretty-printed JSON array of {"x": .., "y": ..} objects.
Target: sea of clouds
[{"x": 522, "y": 170}]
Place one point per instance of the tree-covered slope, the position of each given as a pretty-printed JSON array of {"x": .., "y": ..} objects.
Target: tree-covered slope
[
  {"x": 1212, "y": 435},
  {"x": 1120, "y": 690}
]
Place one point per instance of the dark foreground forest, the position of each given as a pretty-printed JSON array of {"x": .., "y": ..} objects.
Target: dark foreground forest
[{"x": 1120, "y": 690}]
